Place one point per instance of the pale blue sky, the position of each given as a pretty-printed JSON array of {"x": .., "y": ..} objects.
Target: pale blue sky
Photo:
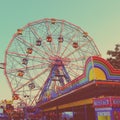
[{"x": 100, "y": 18}]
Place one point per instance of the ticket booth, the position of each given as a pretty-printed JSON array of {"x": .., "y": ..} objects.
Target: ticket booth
[{"x": 107, "y": 108}]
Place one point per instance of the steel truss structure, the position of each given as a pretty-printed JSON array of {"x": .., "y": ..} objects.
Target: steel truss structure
[{"x": 44, "y": 55}]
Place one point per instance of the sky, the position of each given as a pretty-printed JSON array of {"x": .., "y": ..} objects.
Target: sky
[{"x": 100, "y": 18}]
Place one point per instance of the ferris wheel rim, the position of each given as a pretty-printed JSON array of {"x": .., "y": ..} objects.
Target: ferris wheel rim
[{"x": 51, "y": 57}]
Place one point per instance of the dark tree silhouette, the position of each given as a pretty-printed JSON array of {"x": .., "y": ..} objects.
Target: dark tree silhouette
[{"x": 114, "y": 56}]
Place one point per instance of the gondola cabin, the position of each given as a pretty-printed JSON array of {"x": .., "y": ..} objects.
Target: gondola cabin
[
  {"x": 85, "y": 34},
  {"x": 60, "y": 39},
  {"x": 20, "y": 73},
  {"x": 15, "y": 97},
  {"x": 19, "y": 31},
  {"x": 38, "y": 42},
  {"x": 53, "y": 21},
  {"x": 25, "y": 61},
  {"x": 29, "y": 50},
  {"x": 49, "y": 39},
  {"x": 75, "y": 45},
  {"x": 31, "y": 86}
]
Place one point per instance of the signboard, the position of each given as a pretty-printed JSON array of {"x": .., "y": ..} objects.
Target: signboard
[
  {"x": 116, "y": 101},
  {"x": 103, "y": 113},
  {"x": 107, "y": 102},
  {"x": 101, "y": 102}
]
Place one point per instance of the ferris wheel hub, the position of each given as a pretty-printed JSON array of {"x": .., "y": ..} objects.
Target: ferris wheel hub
[{"x": 57, "y": 60}]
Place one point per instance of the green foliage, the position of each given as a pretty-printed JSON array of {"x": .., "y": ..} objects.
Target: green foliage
[{"x": 114, "y": 56}]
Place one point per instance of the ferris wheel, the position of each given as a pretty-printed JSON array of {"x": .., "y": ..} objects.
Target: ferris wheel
[{"x": 46, "y": 53}]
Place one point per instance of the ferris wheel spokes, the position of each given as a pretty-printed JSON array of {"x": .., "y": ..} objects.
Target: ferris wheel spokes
[
  {"x": 32, "y": 79},
  {"x": 79, "y": 47},
  {"x": 29, "y": 45},
  {"x": 40, "y": 39},
  {"x": 45, "y": 55},
  {"x": 69, "y": 43}
]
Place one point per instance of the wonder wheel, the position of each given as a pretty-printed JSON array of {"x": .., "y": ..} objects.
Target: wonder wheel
[{"x": 44, "y": 54}]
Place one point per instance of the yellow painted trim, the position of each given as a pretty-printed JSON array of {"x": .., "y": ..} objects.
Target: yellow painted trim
[
  {"x": 77, "y": 103},
  {"x": 72, "y": 104},
  {"x": 50, "y": 109}
]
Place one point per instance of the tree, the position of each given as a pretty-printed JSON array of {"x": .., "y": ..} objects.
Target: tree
[{"x": 114, "y": 58}]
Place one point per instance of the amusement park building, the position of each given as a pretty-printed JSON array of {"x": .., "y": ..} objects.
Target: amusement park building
[{"x": 94, "y": 95}]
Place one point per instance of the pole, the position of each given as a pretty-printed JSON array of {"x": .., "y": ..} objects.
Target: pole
[
  {"x": 57, "y": 113},
  {"x": 85, "y": 111}
]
